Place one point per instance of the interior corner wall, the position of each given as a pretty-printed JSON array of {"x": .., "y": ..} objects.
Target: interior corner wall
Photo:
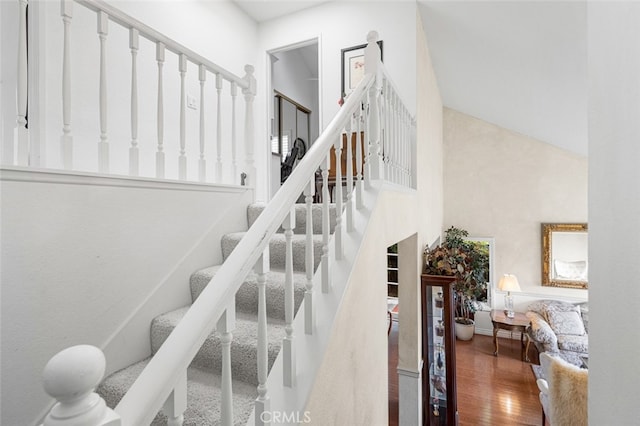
[
  {"x": 614, "y": 211},
  {"x": 503, "y": 185}
]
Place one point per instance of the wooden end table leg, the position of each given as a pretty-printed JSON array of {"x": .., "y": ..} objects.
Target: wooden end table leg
[
  {"x": 495, "y": 340},
  {"x": 526, "y": 351}
]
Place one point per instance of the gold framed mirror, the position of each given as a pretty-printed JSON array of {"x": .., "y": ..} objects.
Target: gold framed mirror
[{"x": 565, "y": 255}]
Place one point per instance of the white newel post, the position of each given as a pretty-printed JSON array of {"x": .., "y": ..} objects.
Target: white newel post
[
  {"x": 103, "y": 145},
  {"x": 160, "y": 49},
  {"x": 134, "y": 37},
  {"x": 263, "y": 403},
  {"x": 71, "y": 377},
  {"x": 182, "y": 159},
  {"x": 371, "y": 60},
  {"x": 249, "y": 96},
  {"x": 23, "y": 81},
  {"x": 288, "y": 347},
  {"x": 175, "y": 406},
  {"x": 66, "y": 140},
  {"x": 202, "y": 163},
  {"x": 226, "y": 324},
  {"x": 234, "y": 161}
]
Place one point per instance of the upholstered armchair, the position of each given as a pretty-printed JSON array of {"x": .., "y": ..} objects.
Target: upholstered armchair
[{"x": 563, "y": 392}]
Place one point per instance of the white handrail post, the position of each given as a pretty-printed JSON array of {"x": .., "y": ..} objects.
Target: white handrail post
[
  {"x": 202, "y": 163},
  {"x": 309, "y": 313},
  {"x": 133, "y": 151},
  {"x": 337, "y": 233},
  {"x": 234, "y": 147},
  {"x": 226, "y": 324},
  {"x": 70, "y": 377},
  {"x": 176, "y": 404},
  {"x": 249, "y": 96},
  {"x": 182, "y": 159},
  {"x": 23, "y": 81},
  {"x": 371, "y": 60},
  {"x": 263, "y": 403},
  {"x": 103, "y": 145},
  {"x": 326, "y": 221},
  {"x": 66, "y": 140},
  {"x": 288, "y": 347},
  {"x": 160, "y": 49},
  {"x": 219, "y": 129}
]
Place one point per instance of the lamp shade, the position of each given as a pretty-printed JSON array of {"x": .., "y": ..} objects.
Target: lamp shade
[{"x": 509, "y": 282}]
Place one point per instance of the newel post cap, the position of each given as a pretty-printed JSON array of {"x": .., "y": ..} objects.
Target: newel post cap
[{"x": 74, "y": 372}]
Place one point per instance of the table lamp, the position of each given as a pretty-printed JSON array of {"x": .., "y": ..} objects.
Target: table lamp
[{"x": 509, "y": 283}]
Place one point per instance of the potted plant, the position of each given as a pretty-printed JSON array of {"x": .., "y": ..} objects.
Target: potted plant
[{"x": 468, "y": 263}]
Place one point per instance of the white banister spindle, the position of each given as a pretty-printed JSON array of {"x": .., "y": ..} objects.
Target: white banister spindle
[
  {"x": 337, "y": 233},
  {"x": 249, "y": 95},
  {"x": 103, "y": 145},
  {"x": 70, "y": 377},
  {"x": 397, "y": 138},
  {"x": 326, "y": 221},
  {"x": 234, "y": 142},
  {"x": 367, "y": 146},
  {"x": 66, "y": 140},
  {"x": 309, "y": 313},
  {"x": 202, "y": 163},
  {"x": 288, "y": 347},
  {"x": 226, "y": 324},
  {"x": 23, "y": 88},
  {"x": 175, "y": 406},
  {"x": 182, "y": 159},
  {"x": 371, "y": 60},
  {"x": 263, "y": 403},
  {"x": 359, "y": 159},
  {"x": 160, "y": 49},
  {"x": 219, "y": 129},
  {"x": 134, "y": 37},
  {"x": 386, "y": 128},
  {"x": 349, "y": 155}
]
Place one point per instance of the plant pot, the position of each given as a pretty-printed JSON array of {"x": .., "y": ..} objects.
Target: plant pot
[{"x": 464, "y": 331}]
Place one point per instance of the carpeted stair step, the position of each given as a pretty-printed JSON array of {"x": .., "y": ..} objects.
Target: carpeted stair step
[
  {"x": 247, "y": 296},
  {"x": 254, "y": 210},
  {"x": 277, "y": 249},
  {"x": 243, "y": 346},
  {"x": 203, "y": 395}
]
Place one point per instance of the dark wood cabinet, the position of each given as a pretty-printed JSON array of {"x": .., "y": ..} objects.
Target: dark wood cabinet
[{"x": 438, "y": 351}]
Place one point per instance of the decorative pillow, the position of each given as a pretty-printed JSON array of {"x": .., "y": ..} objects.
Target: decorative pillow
[{"x": 566, "y": 322}]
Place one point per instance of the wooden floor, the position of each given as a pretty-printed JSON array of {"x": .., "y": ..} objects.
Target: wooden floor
[{"x": 491, "y": 390}]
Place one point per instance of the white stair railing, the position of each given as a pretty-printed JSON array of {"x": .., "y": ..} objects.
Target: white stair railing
[
  {"x": 224, "y": 139},
  {"x": 162, "y": 382}
]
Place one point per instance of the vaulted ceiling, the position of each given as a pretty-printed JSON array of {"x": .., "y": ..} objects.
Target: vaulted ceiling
[{"x": 519, "y": 64}]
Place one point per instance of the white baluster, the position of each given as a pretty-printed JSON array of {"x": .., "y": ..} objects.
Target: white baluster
[
  {"x": 349, "y": 204},
  {"x": 386, "y": 123},
  {"x": 175, "y": 406},
  {"x": 219, "y": 129},
  {"x": 103, "y": 145},
  {"x": 234, "y": 143},
  {"x": 133, "y": 151},
  {"x": 182, "y": 159},
  {"x": 160, "y": 120},
  {"x": 263, "y": 403},
  {"x": 359, "y": 159},
  {"x": 326, "y": 221},
  {"x": 249, "y": 96},
  {"x": 337, "y": 232},
  {"x": 396, "y": 139},
  {"x": 309, "y": 313},
  {"x": 367, "y": 146},
  {"x": 66, "y": 140},
  {"x": 371, "y": 59},
  {"x": 288, "y": 349},
  {"x": 202, "y": 163},
  {"x": 22, "y": 93},
  {"x": 70, "y": 377},
  {"x": 226, "y": 324}
]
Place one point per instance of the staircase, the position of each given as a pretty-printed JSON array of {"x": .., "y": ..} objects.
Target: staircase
[{"x": 203, "y": 375}]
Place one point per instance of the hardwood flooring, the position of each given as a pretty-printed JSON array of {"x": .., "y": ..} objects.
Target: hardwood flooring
[{"x": 491, "y": 390}]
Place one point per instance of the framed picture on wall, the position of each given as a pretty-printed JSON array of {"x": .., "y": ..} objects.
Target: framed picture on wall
[{"x": 353, "y": 67}]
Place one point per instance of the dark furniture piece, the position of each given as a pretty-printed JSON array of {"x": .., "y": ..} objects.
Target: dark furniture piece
[
  {"x": 519, "y": 323},
  {"x": 438, "y": 351}
]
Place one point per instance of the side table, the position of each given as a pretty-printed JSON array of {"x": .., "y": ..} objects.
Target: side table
[{"x": 519, "y": 323}]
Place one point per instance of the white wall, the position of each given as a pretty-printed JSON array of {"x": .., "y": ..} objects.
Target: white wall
[
  {"x": 504, "y": 185},
  {"x": 614, "y": 212},
  {"x": 93, "y": 260}
]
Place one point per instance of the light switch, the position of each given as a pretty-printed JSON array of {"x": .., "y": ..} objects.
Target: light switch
[{"x": 191, "y": 102}]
